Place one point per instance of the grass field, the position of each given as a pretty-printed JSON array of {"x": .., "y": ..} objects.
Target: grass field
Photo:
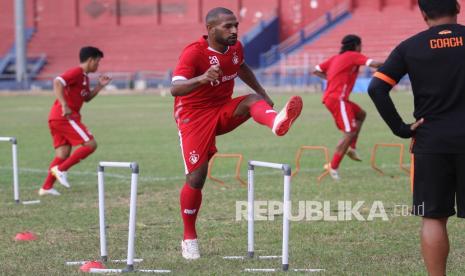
[{"x": 140, "y": 128}]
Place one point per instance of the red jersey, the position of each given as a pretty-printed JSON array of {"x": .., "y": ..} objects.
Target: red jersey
[
  {"x": 341, "y": 72},
  {"x": 195, "y": 60},
  {"x": 76, "y": 91}
]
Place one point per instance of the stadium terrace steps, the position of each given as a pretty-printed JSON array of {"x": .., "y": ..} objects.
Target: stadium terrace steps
[
  {"x": 381, "y": 31},
  {"x": 136, "y": 45}
]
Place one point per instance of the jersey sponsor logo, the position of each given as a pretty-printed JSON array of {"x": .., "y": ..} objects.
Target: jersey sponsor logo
[
  {"x": 194, "y": 157},
  {"x": 445, "y": 32},
  {"x": 230, "y": 77},
  {"x": 214, "y": 60},
  {"x": 450, "y": 42},
  {"x": 235, "y": 58}
]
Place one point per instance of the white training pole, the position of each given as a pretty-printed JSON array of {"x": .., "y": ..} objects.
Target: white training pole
[
  {"x": 287, "y": 211},
  {"x": 110, "y": 270},
  {"x": 250, "y": 213},
  {"x": 132, "y": 217},
  {"x": 115, "y": 164},
  {"x": 101, "y": 208},
  {"x": 267, "y": 165},
  {"x": 14, "y": 153},
  {"x": 15, "y": 170}
]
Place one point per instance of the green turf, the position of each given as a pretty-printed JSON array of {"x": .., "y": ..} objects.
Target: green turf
[{"x": 141, "y": 128}]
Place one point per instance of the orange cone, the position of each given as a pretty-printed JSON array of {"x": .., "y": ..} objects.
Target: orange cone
[
  {"x": 25, "y": 236},
  {"x": 91, "y": 264}
]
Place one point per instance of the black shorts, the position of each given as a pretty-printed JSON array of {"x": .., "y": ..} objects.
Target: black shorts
[{"x": 438, "y": 180}]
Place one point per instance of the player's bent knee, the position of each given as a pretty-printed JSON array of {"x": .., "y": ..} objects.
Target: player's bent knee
[
  {"x": 92, "y": 144},
  {"x": 351, "y": 134},
  {"x": 253, "y": 98}
]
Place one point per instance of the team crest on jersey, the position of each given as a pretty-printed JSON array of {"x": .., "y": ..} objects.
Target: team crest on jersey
[
  {"x": 194, "y": 157},
  {"x": 445, "y": 32},
  {"x": 235, "y": 58},
  {"x": 214, "y": 60}
]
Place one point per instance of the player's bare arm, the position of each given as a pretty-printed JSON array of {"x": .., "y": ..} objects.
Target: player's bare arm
[
  {"x": 185, "y": 87},
  {"x": 375, "y": 64},
  {"x": 319, "y": 74},
  {"x": 103, "y": 81},
  {"x": 247, "y": 76},
  {"x": 58, "y": 88}
]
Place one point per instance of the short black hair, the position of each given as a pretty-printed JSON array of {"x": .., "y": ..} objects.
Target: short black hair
[
  {"x": 350, "y": 42},
  {"x": 438, "y": 8},
  {"x": 214, "y": 13},
  {"x": 89, "y": 52}
]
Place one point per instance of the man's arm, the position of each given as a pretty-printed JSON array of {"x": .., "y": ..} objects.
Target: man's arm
[
  {"x": 319, "y": 74},
  {"x": 379, "y": 93},
  {"x": 184, "y": 87},
  {"x": 58, "y": 89},
  {"x": 247, "y": 76},
  {"x": 375, "y": 64},
  {"x": 102, "y": 82}
]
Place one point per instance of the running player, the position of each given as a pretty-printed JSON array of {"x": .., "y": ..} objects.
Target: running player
[
  {"x": 341, "y": 71},
  {"x": 202, "y": 84},
  {"x": 435, "y": 63},
  {"x": 72, "y": 90}
]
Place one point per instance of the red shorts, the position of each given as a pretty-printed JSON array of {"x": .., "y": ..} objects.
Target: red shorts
[
  {"x": 344, "y": 113},
  {"x": 69, "y": 132},
  {"x": 198, "y": 130}
]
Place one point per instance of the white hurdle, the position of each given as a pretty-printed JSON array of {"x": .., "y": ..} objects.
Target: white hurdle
[
  {"x": 132, "y": 218},
  {"x": 14, "y": 150},
  {"x": 250, "y": 213}
]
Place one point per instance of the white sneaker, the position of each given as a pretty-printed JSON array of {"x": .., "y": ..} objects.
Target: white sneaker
[
  {"x": 190, "y": 249},
  {"x": 332, "y": 172},
  {"x": 60, "y": 176},
  {"x": 283, "y": 121},
  {"x": 51, "y": 191},
  {"x": 352, "y": 153}
]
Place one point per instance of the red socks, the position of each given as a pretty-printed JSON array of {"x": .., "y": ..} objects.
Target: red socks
[
  {"x": 263, "y": 113},
  {"x": 337, "y": 158},
  {"x": 190, "y": 200},
  {"x": 50, "y": 179},
  {"x": 76, "y": 157}
]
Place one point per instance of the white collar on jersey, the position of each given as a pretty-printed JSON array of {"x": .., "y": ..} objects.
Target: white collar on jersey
[{"x": 213, "y": 50}]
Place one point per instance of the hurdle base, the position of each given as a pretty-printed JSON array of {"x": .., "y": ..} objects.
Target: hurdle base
[
  {"x": 17, "y": 201},
  {"x": 116, "y": 270},
  {"x": 104, "y": 259},
  {"x": 250, "y": 254},
  {"x": 129, "y": 268},
  {"x": 285, "y": 267}
]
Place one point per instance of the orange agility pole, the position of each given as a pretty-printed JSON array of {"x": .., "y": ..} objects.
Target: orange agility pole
[
  {"x": 298, "y": 156},
  {"x": 401, "y": 157},
  {"x": 238, "y": 167}
]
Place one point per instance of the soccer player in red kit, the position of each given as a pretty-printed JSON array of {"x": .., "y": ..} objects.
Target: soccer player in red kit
[
  {"x": 202, "y": 84},
  {"x": 72, "y": 90},
  {"x": 341, "y": 71}
]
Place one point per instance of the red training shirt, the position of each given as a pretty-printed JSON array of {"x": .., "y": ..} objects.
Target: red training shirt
[
  {"x": 76, "y": 91},
  {"x": 341, "y": 72},
  {"x": 195, "y": 60}
]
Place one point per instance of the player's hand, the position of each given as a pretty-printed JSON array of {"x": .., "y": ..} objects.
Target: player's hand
[
  {"x": 65, "y": 111},
  {"x": 211, "y": 75},
  {"x": 418, "y": 123},
  {"x": 103, "y": 80}
]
